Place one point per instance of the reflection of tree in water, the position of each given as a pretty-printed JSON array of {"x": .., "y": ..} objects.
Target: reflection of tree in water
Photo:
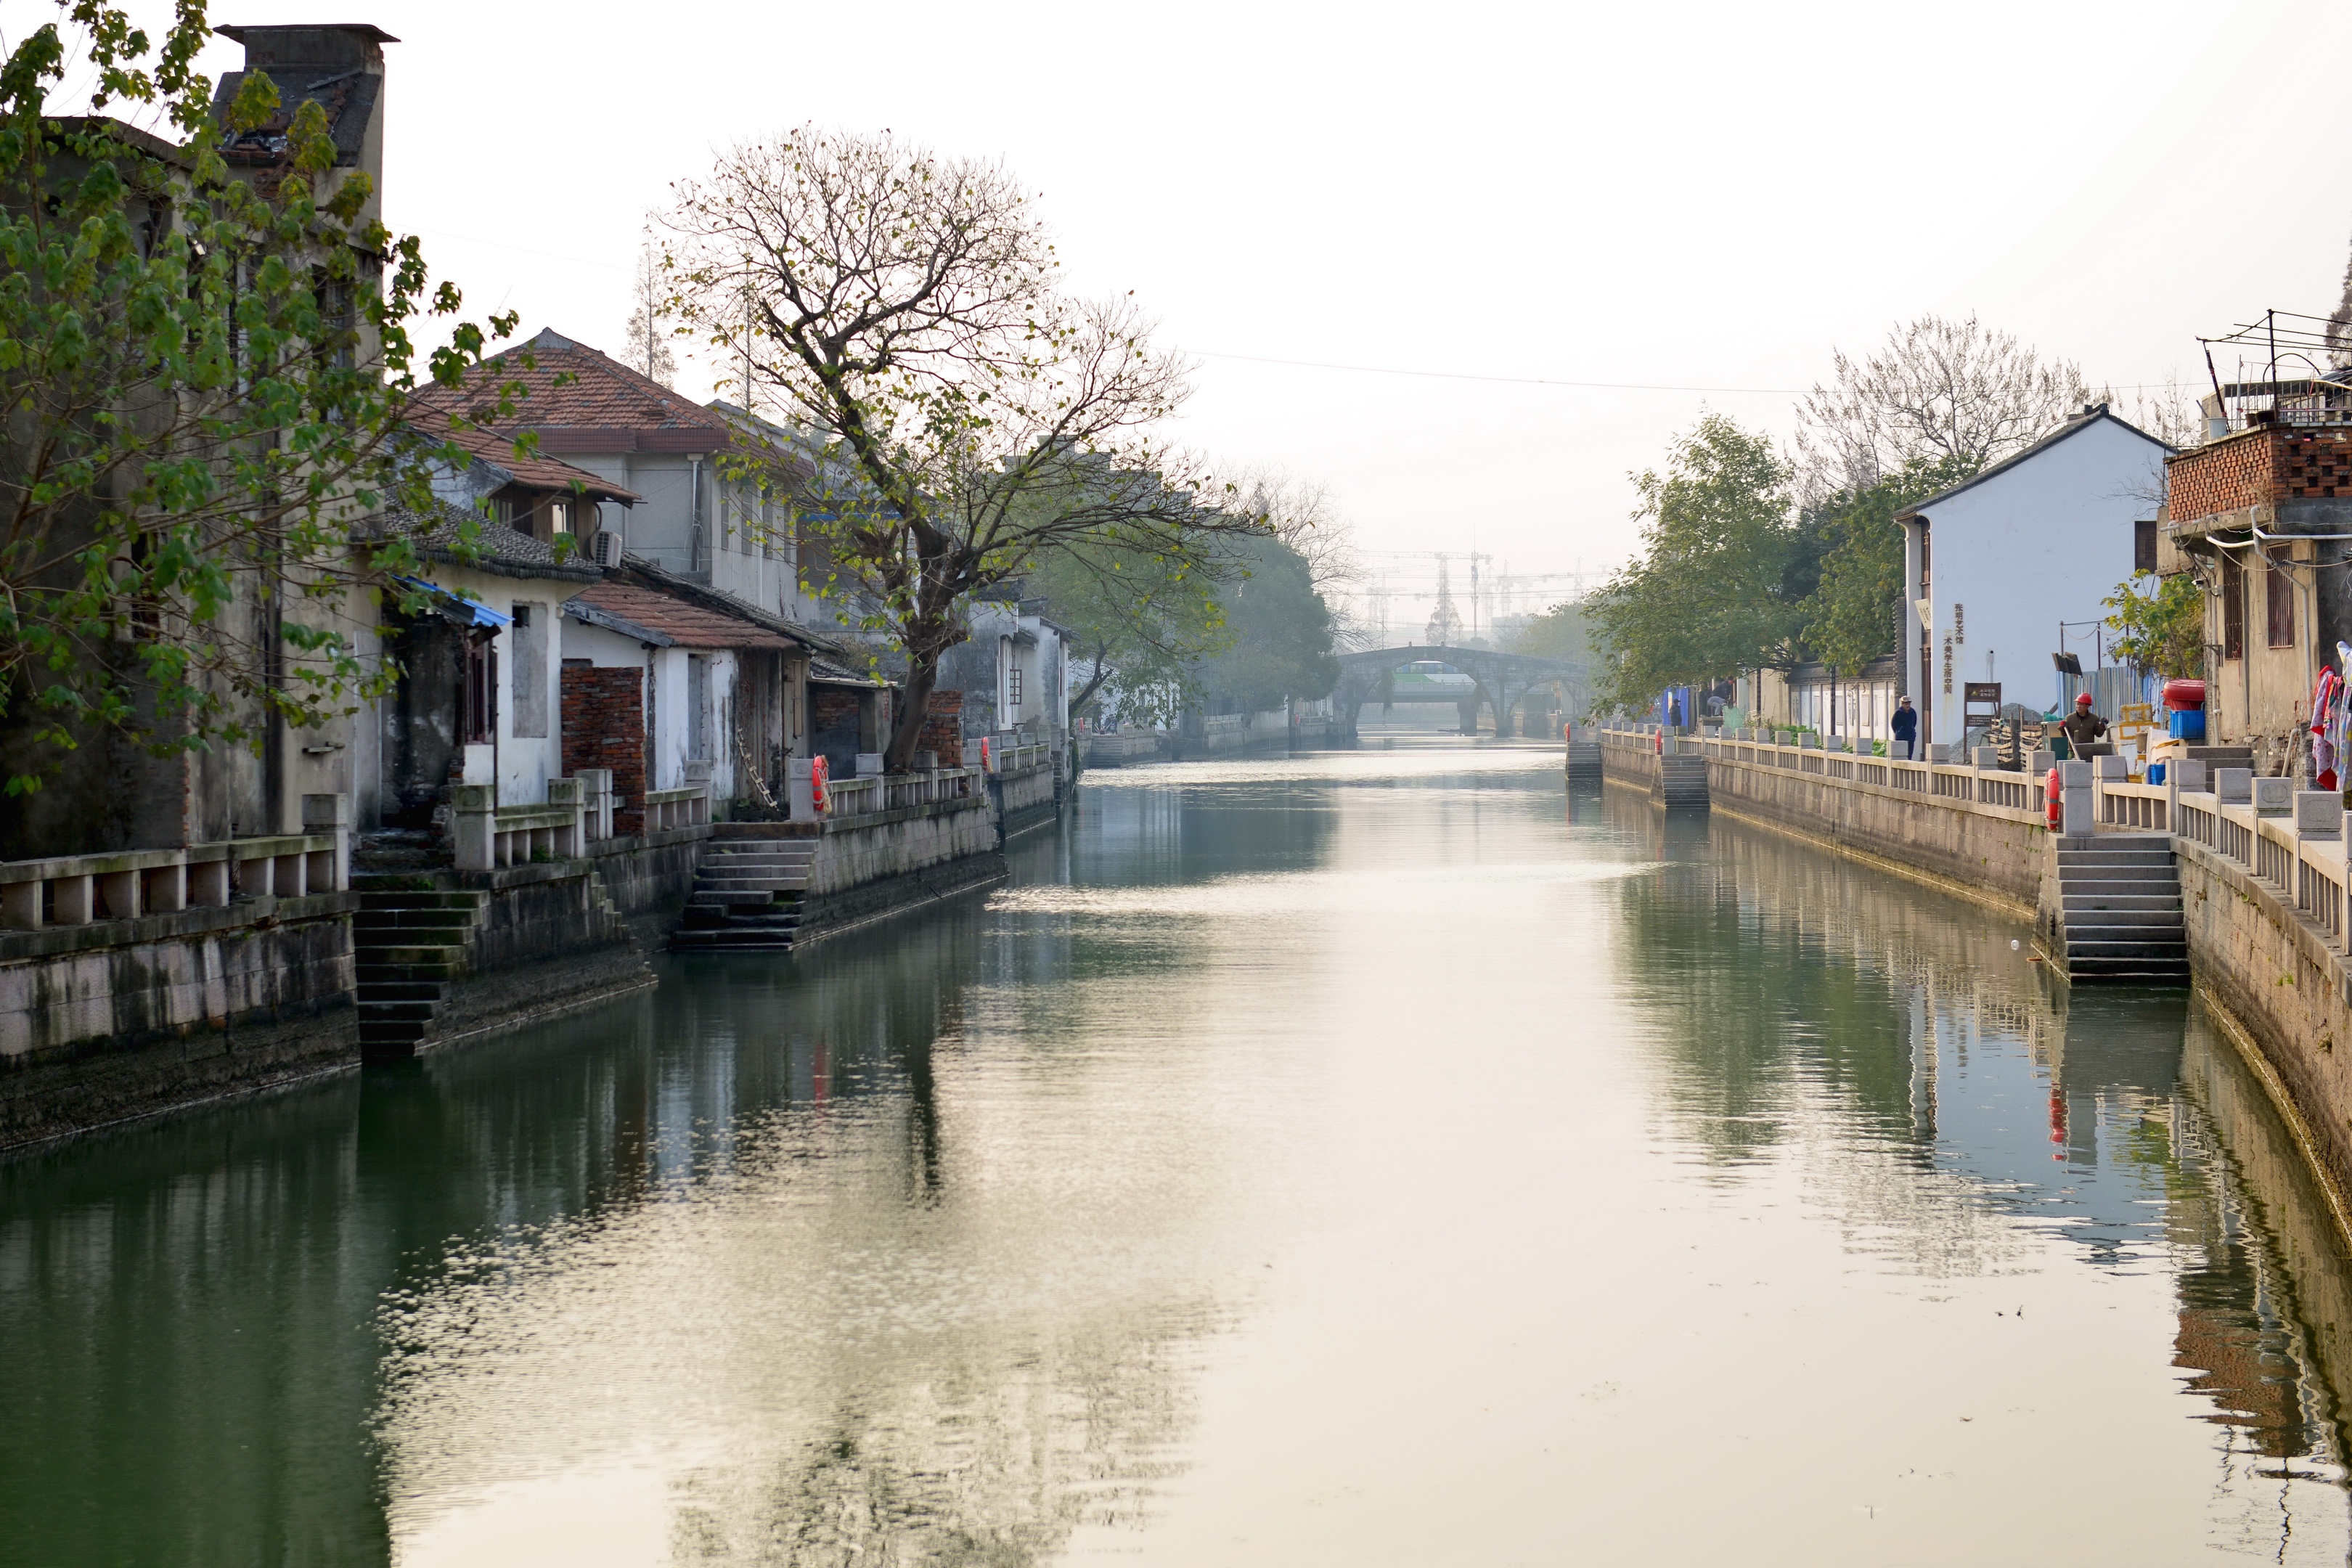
[
  {"x": 990, "y": 1461},
  {"x": 1754, "y": 1012},
  {"x": 809, "y": 1239},
  {"x": 1806, "y": 1000}
]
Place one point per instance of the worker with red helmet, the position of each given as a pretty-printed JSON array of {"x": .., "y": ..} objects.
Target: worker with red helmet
[{"x": 2083, "y": 726}]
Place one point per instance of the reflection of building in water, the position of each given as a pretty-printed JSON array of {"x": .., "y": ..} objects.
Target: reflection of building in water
[
  {"x": 730, "y": 1215},
  {"x": 1811, "y": 1006}
]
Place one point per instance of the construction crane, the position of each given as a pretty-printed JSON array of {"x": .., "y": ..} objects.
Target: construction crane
[{"x": 1505, "y": 586}]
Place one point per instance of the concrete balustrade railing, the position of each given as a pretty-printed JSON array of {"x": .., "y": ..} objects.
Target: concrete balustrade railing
[
  {"x": 1993, "y": 789},
  {"x": 84, "y": 889},
  {"x": 578, "y": 811},
  {"x": 689, "y": 805},
  {"x": 490, "y": 836},
  {"x": 597, "y": 801},
  {"x": 871, "y": 796}
]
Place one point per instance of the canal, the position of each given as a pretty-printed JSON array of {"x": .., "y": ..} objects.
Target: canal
[{"x": 1376, "y": 1157}]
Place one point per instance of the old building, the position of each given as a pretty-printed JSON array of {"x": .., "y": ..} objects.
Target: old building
[{"x": 1997, "y": 570}]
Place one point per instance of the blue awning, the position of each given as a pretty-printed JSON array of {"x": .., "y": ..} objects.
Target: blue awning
[{"x": 481, "y": 615}]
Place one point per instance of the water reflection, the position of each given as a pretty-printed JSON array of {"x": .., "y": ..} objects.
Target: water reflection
[
  {"x": 1356, "y": 1159},
  {"x": 1963, "y": 1085}
]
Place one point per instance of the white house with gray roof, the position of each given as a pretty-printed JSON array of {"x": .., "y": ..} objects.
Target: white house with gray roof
[{"x": 1994, "y": 569}]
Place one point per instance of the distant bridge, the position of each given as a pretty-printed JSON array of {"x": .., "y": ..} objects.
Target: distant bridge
[{"x": 1503, "y": 679}]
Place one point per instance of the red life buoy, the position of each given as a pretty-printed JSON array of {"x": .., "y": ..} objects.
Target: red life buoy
[
  {"x": 2050, "y": 799},
  {"x": 817, "y": 773}
]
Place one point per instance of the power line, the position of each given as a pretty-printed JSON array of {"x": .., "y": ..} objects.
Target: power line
[
  {"x": 1554, "y": 381},
  {"x": 1509, "y": 379}
]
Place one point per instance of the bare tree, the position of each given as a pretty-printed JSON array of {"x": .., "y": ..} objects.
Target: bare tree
[
  {"x": 965, "y": 416},
  {"x": 1940, "y": 390},
  {"x": 2170, "y": 412},
  {"x": 648, "y": 341},
  {"x": 1306, "y": 516}
]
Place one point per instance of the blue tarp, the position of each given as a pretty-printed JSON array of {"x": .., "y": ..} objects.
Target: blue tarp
[{"x": 481, "y": 615}]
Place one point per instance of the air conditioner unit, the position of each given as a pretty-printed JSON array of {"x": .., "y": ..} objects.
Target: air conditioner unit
[{"x": 606, "y": 548}]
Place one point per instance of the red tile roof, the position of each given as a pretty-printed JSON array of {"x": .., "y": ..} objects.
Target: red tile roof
[
  {"x": 538, "y": 472},
  {"x": 601, "y": 404},
  {"x": 682, "y": 624}
]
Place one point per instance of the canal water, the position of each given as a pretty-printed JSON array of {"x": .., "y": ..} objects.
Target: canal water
[{"x": 1376, "y": 1157}]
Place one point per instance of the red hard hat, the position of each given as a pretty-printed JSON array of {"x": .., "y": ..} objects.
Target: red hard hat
[{"x": 2083, "y": 700}]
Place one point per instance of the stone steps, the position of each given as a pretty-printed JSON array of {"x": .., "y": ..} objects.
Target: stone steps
[
  {"x": 408, "y": 946},
  {"x": 2119, "y": 906},
  {"x": 747, "y": 894},
  {"x": 1682, "y": 781}
]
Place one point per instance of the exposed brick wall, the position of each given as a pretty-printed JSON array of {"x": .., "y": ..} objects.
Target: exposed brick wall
[
  {"x": 833, "y": 706},
  {"x": 2240, "y": 471},
  {"x": 943, "y": 728},
  {"x": 604, "y": 727},
  {"x": 2314, "y": 463}
]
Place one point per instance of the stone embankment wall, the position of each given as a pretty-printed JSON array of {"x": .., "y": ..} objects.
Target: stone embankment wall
[
  {"x": 885, "y": 862},
  {"x": 117, "y": 1018},
  {"x": 1988, "y": 849},
  {"x": 2264, "y": 901},
  {"x": 1026, "y": 800},
  {"x": 113, "y": 1019},
  {"x": 551, "y": 938}
]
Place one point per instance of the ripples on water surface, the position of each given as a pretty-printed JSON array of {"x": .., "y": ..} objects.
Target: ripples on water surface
[{"x": 1364, "y": 1158}]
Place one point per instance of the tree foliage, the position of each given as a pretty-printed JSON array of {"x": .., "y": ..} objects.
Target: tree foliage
[
  {"x": 1564, "y": 632},
  {"x": 1854, "y": 610},
  {"x": 1141, "y": 624},
  {"x": 204, "y": 381},
  {"x": 967, "y": 415},
  {"x": 2162, "y": 620},
  {"x": 1281, "y": 633},
  {"x": 1711, "y": 592}
]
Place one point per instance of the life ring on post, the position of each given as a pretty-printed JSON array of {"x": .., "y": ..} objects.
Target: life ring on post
[
  {"x": 817, "y": 775},
  {"x": 2050, "y": 799}
]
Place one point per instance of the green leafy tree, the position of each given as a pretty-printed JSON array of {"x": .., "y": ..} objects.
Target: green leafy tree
[
  {"x": 205, "y": 380},
  {"x": 1564, "y": 632},
  {"x": 2162, "y": 620},
  {"x": 1851, "y": 614},
  {"x": 1281, "y": 631},
  {"x": 1711, "y": 592},
  {"x": 965, "y": 416},
  {"x": 1142, "y": 624}
]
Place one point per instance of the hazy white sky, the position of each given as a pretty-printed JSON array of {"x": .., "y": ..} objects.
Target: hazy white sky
[{"x": 1699, "y": 195}]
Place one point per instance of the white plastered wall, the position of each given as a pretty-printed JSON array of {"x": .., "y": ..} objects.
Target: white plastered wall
[{"x": 2034, "y": 545}]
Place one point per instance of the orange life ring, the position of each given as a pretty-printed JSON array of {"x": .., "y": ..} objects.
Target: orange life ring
[
  {"x": 817, "y": 775},
  {"x": 2050, "y": 799}
]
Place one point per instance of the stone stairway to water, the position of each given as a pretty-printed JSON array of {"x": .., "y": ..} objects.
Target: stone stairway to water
[
  {"x": 2117, "y": 914},
  {"x": 409, "y": 946},
  {"x": 747, "y": 894},
  {"x": 1680, "y": 781}
]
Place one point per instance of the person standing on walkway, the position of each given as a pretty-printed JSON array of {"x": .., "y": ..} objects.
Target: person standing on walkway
[
  {"x": 1906, "y": 729},
  {"x": 2083, "y": 726}
]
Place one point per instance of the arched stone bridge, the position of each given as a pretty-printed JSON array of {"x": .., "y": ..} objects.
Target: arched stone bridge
[{"x": 1503, "y": 679}]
